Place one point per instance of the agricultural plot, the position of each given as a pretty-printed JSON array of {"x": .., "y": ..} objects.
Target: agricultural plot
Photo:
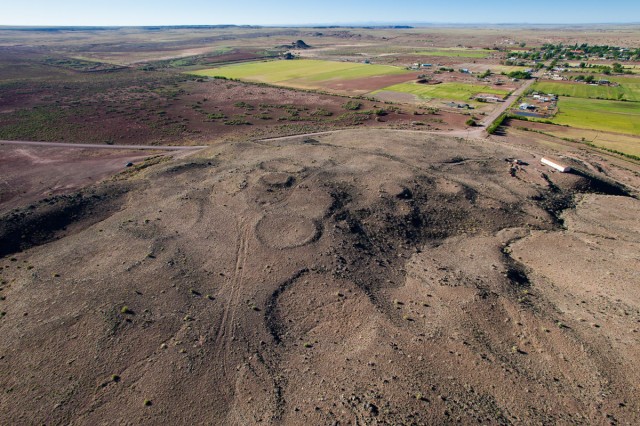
[
  {"x": 494, "y": 68},
  {"x": 613, "y": 141},
  {"x": 307, "y": 74},
  {"x": 608, "y": 116},
  {"x": 628, "y": 90},
  {"x": 457, "y": 53},
  {"x": 448, "y": 91}
]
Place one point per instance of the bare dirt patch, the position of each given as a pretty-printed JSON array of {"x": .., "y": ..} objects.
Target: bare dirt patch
[{"x": 33, "y": 173}]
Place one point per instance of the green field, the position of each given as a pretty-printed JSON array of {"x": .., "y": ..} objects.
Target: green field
[
  {"x": 628, "y": 90},
  {"x": 303, "y": 73},
  {"x": 448, "y": 91},
  {"x": 456, "y": 53},
  {"x": 612, "y": 141},
  {"x": 609, "y": 116}
]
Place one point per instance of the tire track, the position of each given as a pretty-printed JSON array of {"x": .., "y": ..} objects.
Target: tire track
[{"x": 226, "y": 329}]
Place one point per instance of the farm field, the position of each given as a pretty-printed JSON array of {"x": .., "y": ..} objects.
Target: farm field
[
  {"x": 609, "y": 116},
  {"x": 494, "y": 68},
  {"x": 307, "y": 73},
  {"x": 628, "y": 90},
  {"x": 622, "y": 143},
  {"x": 449, "y": 91},
  {"x": 457, "y": 53},
  {"x": 627, "y": 144}
]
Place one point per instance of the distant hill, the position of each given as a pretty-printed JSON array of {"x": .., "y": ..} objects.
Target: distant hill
[{"x": 298, "y": 44}]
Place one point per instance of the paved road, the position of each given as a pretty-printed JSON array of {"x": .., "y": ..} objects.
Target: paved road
[{"x": 105, "y": 146}]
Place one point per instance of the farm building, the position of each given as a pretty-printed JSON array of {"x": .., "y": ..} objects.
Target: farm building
[
  {"x": 525, "y": 106},
  {"x": 489, "y": 99}
]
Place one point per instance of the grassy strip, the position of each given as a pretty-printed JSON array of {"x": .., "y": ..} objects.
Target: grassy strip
[
  {"x": 497, "y": 123},
  {"x": 629, "y": 90},
  {"x": 308, "y": 72},
  {"x": 453, "y": 91}
]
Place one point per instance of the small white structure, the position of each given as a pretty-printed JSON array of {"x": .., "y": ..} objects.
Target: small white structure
[{"x": 559, "y": 167}]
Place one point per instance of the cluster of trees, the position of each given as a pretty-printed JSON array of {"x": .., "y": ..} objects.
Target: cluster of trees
[
  {"x": 586, "y": 78},
  {"x": 485, "y": 74},
  {"x": 550, "y": 51},
  {"x": 522, "y": 75}
]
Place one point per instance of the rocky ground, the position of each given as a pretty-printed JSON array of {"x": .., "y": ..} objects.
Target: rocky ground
[{"x": 355, "y": 277}]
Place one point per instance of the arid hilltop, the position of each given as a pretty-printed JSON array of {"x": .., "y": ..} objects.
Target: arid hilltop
[{"x": 353, "y": 277}]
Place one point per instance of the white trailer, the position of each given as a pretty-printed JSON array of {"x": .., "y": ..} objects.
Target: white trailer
[{"x": 559, "y": 167}]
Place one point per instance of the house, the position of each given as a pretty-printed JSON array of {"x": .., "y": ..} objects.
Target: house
[{"x": 489, "y": 98}]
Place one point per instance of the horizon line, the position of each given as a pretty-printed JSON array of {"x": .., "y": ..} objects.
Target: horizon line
[{"x": 311, "y": 25}]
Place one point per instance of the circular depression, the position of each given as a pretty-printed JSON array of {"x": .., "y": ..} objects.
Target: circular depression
[{"x": 282, "y": 231}]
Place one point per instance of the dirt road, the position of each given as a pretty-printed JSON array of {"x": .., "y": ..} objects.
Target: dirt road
[
  {"x": 503, "y": 106},
  {"x": 99, "y": 146}
]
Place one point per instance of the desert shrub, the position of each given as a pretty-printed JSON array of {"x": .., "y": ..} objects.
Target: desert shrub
[
  {"x": 321, "y": 112},
  {"x": 236, "y": 120},
  {"x": 243, "y": 105},
  {"x": 352, "y": 105}
]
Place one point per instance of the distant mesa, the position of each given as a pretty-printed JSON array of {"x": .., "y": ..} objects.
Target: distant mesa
[{"x": 298, "y": 44}]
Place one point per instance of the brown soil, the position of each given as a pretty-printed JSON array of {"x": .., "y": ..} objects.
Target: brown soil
[
  {"x": 365, "y": 85},
  {"x": 358, "y": 277},
  {"x": 30, "y": 174}
]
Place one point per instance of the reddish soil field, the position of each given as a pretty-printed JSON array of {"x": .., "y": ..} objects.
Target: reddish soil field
[
  {"x": 364, "y": 85},
  {"x": 158, "y": 108}
]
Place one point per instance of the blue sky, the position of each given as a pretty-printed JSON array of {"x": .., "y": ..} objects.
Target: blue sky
[{"x": 276, "y": 12}]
